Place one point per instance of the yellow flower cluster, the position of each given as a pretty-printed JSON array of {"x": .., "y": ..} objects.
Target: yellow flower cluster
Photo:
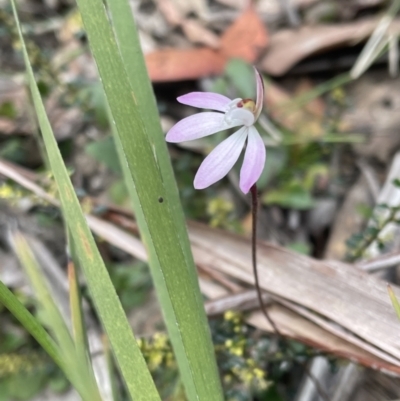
[
  {"x": 219, "y": 209},
  {"x": 9, "y": 192},
  {"x": 157, "y": 351},
  {"x": 246, "y": 371},
  {"x": 12, "y": 364}
]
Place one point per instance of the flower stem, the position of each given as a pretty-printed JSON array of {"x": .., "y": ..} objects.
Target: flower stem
[{"x": 254, "y": 196}]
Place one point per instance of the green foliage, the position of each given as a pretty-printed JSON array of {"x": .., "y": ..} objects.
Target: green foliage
[
  {"x": 241, "y": 76},
  {"x": 276, "y": 161},
  {"x": 300, "y": 247},
  {"x": 292, "y": 196},
  {"x": 358, "y": 243},
  {"x": 104, "y": 151},
  {"x": 7, "y": 109},
  {"x": 132, "y": 282},
  {"x": 13, "y": 150}
]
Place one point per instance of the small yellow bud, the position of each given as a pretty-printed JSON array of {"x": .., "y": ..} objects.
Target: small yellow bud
[{"x": 260, "y": 374}]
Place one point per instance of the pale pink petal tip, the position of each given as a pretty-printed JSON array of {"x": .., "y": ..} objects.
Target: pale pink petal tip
[
  {"x": 196, "y": 126},
  {"x": 260, "y": 93},
  {"x": 218, "y": 163},
  {"x": 253, "y": 162},
  {"x": 205, "y": 100}
]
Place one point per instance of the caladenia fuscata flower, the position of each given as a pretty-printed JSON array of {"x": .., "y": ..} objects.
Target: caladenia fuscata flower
[{"x": 228, "y": 114}]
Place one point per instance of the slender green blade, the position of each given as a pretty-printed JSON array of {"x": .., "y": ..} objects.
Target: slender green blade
[
  {"x": 149, "y": 176},
  {"x": 78, "y": 372},
  {"x": 126, "y": 351},
  {"x": 79, "y": 332},
  {"x": 51, "y": 313},
  {"x": 78, "y": 326},
  {"x": 376, "y": 43},
  {"x": 34, "y": 328},
  {"x": 395, "y": 301}
]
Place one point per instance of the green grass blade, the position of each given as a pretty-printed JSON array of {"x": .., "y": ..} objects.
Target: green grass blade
[
  {"x": 78, "y": 326},
  {"x": 78, "y": 372},
  {"x": 145, "y": 159},
  {"x": 51, "y": 313},
  {"x": 395, "y": 301},
  {"x": 79, "y": 332},
  {"x": 34, "y": 328},
  {"x": 376, "y": 43},
  {"x": 126, "y": 351}
]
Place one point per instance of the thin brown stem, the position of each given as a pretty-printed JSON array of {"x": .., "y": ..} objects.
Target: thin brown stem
[
  {"x": 264, "y": 310},
  {"x": 254, "y": 196}
]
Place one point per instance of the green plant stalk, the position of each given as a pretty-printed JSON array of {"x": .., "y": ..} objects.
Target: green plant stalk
[
  {"x": 357, "y": 253},
  {"x": 376, "y": 43},
  {"x": 130, "y": 361},
  {"x": 53, "y": 316},
  {"x": 77, "y": 371},
  {"x": 319, "y": 90},
  {"x": 82, "y": 359},
  {"x": 149, "y": 177},
  {"x": 34, "y": 328},
  {"x": 130, "y": 49}
]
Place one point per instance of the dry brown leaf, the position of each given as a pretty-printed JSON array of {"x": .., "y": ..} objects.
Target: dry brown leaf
[
  {"x": 170, "y": 11},
  {"x": 200, "y": 7},
  {"x": 306, "y": 121},
  {"x": 288, "y": 47},
  {"x": 175, "y": 64},
  {"x": 296, "y": 326},
  {"x": 192, "y": 28},
  {"x": 353, "y": 298},
  {"x": 336, "y": 291},
  {"x": 245, "y": 38},
  {"x": 197, "y": 33}
]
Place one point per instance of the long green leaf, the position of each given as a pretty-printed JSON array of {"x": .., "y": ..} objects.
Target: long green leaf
[
  {"x": 145, "y": 160},
  {"x": 78, "y": 373},
  {"x": 127, "y": 353},
  {"x": 52, "y": 315},
  {"x": 395, "y": 301},
  {"x": 34, "y": 328},
  {"x": 80, "y": 338}
]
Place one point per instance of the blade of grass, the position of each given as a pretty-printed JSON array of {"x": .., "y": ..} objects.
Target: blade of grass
[
  {"x": 126, "y": 351},
  {"x": 78, "y": 325},
  {"x": 79, "y": 332},
  {"x": 34, "y": 328},
  {"x": 79, "y": 372},
  {"x": 52, "y": 314},
  {"x": 145, "y": 159},
  {"x": 376, "y": 42},
  {"x": 319, "y": 90},
  {"x": 395, "y": 302}
]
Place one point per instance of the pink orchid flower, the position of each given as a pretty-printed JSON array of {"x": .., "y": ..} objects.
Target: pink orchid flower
[{"x": 229, "y": 113}]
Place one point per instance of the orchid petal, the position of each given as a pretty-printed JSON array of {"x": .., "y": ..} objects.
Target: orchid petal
[
  {"x": 260, "y": 94},
  {"x": 218, "y": 163},
  {"x": 253, "y": 162},
  {"x": 241, "y": 116},
  {"x": 205, "y": 100},
  {"x": 198, "y": 126}
]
